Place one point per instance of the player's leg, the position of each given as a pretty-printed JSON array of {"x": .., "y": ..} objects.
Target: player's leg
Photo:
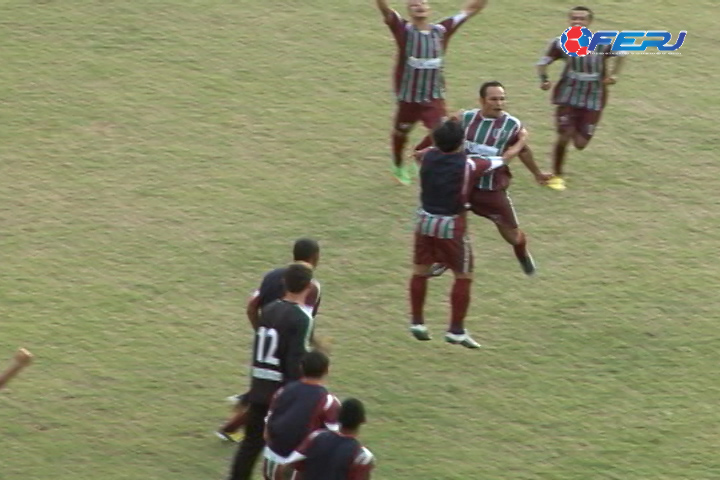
[
  {"x": 564, "y": 120},
  {"x": 458, "y": 256},
  {"x": 587, "y": 121},
  {"x": 272, "y": 470},
  {"x": 230, "y": 429},
  {"x": 406, "y": 116},
  {"x": 431, "y": 116},
  {"x": 507, "y": 225},
  {"x": 251, "y": 445},
  {"x": 423, "y": 257}
]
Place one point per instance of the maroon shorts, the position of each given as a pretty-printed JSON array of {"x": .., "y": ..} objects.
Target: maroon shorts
[
  {"x": 455, "y": 252},
  {"x": 580, "y": 120},
  {"x": 494, "y": 205},
  {"x": 430, "y": 114}
]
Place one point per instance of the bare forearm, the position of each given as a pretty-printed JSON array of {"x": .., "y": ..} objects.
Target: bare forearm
[
  {"x": 526, "y": 157},
  {"x": 383, "y": 7},
  {"x": 473, "y": 7},
  {"x": 11, "y": 372},
  {"x": 617, "y": 66}
]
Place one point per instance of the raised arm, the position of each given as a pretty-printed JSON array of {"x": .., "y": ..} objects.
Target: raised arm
[
  {"x": 384, "y": 8},
  {"x": 21, "y": 360},
  {"x": 617, "y": 63},
  {"x": 552, "y": 53},
  {"x": 472, "y": 7}
]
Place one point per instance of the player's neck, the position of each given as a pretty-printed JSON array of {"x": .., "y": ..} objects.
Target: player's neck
[
  {"x": 294, "y": 297},
  {"x": 420, "y": 23},
  {"x": 492, "y": 114},
  {"x": 312, "y": 381},
  {"x": 307, "y": 264}
]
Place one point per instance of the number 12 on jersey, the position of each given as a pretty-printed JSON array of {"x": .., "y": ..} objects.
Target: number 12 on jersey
[{"x": 266, "y": 346}]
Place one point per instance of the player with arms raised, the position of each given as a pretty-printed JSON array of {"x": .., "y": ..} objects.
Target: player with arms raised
[
  {"x": 446, "y": 177},
  {"x": 581, "y": 93},
  {"x": 419, "y": 80}
]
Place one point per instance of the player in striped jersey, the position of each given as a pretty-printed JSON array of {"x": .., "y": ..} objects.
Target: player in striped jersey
[
  {"x": 491, "y": 131},
  {"x": 580, "y": 94},
  {"x": 447, "y": 175},
  {"x": 419, "y": 80}
]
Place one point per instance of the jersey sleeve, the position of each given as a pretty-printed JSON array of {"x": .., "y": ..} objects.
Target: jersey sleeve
[
  {"x": 480, "y": 165},
  {"x": 396, "y": 24},
  {"x": 297, "y": 458},
  {"x": 451, "y": 24},
  {"x": 362, "y": 465},
  {"x": 331, "y": 412},
  {"x": 552, "y": 52}
]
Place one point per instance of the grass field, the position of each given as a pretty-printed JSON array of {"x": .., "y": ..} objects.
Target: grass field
[{"x": 157, "y": 157}]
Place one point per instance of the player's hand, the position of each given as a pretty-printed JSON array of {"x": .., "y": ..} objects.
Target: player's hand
[
  {"x": 23, "y": 357},
  {"x": 611, "y": 80},
  {"x": 419, "y": 154},
  {"x": 543, "y": 178},
  {"x": 545, "y": 86}
]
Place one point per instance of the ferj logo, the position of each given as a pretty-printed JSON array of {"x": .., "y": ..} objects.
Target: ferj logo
[{"x": 578, "y": 41}]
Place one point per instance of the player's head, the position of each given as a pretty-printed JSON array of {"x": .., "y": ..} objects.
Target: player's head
[
  {"x": 297, "y": 278},
  {"x": 580, "y": 16},
  {"x": 306, "y": 250},
  {"x": 449, "y": 137},
  {"x": 315, "y": 365},
  {"x": 492, "y": 99},
  {"x": 418, "y": 9},
  {"x": 352, "y": 414}
]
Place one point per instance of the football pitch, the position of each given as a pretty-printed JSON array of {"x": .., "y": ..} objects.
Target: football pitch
[{"x": 157, "y": 157}]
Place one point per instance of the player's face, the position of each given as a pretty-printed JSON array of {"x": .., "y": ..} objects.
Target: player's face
[
  {"x": 579, "y": 18},
  {"x": 418, "y": 8},
  {"x": 493, "y": 104}
]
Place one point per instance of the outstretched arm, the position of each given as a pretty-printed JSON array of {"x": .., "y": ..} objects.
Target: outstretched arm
[
  {"x": 526, "y": 157},
  {"x": 472, "y": 7},
  {"x": 21, "y": 360},
  {"x": 516, "y": 147},
  {"x": 384, "y": 8}
]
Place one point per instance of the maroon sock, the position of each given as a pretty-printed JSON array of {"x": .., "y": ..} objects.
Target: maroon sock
[
  {"x": 559, "y": 157},
  {"x": 418, "y": 289},
  {"x": 459, "y": 303},
  {"x": 398, "y": 145},
  {"x": 424, "y": 143},
  {"x": 520, "y": 248}
]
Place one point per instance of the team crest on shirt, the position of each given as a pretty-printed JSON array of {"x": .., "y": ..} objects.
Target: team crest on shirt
[{"x": 499, "y": 133}]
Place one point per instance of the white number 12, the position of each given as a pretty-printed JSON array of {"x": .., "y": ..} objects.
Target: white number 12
[{"x": 267, "y": 355}]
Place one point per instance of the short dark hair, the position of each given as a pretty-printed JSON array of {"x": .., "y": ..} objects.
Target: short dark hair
[
  {"x": 352, "y": 414},
  {"x": 305, "y": 249},
  {"x": 484, "y": 87},
  {"x": 315, "y": 364},
  {"x": 583, "y": 9},
  {"x": 449, "y": 136},
  {"x": 297, "y": 277}
]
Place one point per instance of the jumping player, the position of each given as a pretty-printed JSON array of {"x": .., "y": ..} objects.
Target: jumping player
[
  {"x": 490, "y": 130},
  {"x": 306, "y": 251},
  {"x": 282, "y": 338},
  {"x": 446, "y": 178},
  {"x": 581, "y": 93},
  {"x": 327, "y": 454},
  {"x": 419, "y": 80},
  {"x": 297, "y": 410}
]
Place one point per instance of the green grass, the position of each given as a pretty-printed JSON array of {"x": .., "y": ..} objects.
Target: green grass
[{"x": 157, "y": 157}]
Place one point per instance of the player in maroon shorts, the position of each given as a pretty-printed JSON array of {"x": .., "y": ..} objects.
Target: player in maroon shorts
[
  {"x": 446, "y": 178},
  {"x": 490, "y": 130},
  {"x": 581, "y": 93},
  {"x": 419, "y": 80}
]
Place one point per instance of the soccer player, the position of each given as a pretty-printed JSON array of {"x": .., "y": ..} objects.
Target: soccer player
[
  {"x": 297, "y": 410},
  {"x": 21, "y": 360},
  {"x": 446, "y": 178},
  {"x": 581, "y": 93},
  {"x": 419, "y": 81},
  {"x": 326, "y": 454},
  {"x": 282, "y": 337},
  {"x": 490, "y": 130},
  {"x": 306, "y": 251}
]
